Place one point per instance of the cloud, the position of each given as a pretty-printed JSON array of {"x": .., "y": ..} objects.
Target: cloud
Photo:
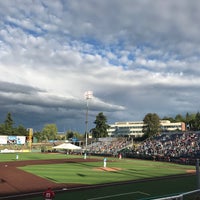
[{"x": 136, "y": 57}]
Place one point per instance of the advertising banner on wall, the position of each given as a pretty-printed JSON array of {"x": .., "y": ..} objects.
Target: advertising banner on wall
[
  {"x": 12, "y": 139},
  {"x": 9, "y": 139},
  {"x": 21, "y": 139},
  {"x": 3, "y": 139}
]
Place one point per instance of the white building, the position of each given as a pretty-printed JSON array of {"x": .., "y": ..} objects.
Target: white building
[{"x": 135, "y": 128}]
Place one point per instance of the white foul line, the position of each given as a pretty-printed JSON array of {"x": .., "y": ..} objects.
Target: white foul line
[{"x": 116, "y": 195}]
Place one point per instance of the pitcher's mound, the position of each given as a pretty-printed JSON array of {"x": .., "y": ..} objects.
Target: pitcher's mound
[
  {"x": 109, "y": 169},
  {"x": 191, "y": 171}
]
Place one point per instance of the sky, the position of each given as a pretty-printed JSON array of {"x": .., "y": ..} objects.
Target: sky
[{"x": 136, "y": 56}]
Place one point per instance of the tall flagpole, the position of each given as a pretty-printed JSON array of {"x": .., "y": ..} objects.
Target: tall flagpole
[{"x": 88, "y": 95}]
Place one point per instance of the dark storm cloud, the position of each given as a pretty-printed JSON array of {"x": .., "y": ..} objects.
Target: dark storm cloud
[{"x": 136, "y": 56}]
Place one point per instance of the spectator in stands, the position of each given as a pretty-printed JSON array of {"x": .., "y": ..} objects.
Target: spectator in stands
[
  {"x": 48, "y": 194},
  {"x": 171, "y": 146}
]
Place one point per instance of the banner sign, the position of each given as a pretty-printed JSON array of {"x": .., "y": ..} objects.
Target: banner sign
[
  {"x": 3, "y": 139},
  {"x": 10, "y": 139}
]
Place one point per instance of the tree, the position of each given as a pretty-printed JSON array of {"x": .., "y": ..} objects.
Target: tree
[
  {"x": 70, "y": 134},
  {"x": 9, "y": 121},
  {"x": 7, "y": 127},
  {"x": 73, "y": 134},
  {"x": 38, "y": 135},
  {"x": 196, "y": 122},
  {"x": 179, "y": 118},
  {"x": 101, "y": 126},
  {"x": 189, "y": 120},
  {"x": 49, "y": 132},
  {"x": 20, "y": 130},
  {"x": 152, "y": 122},
  {"x": 171, "y": 119}
]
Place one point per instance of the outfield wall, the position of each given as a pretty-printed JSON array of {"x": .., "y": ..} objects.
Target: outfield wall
[
  {"x": 10, "y": 139},
  {"x": 14, "y": 151}
]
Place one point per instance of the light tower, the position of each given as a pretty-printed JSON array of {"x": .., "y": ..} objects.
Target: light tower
[{"x": 88, "y": 95}]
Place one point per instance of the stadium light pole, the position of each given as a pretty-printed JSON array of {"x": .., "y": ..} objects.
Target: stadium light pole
[{"x": 88, "y": 96}]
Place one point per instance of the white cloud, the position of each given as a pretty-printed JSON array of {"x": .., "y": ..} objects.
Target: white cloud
[{"x": 135, "y": 59}]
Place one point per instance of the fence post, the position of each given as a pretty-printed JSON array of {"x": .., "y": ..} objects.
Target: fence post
[{"x": 197, "y": 174}]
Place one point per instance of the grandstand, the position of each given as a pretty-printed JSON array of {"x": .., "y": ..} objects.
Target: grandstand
[
  {"x": 183, "y": 148},
  {"x": 109, "y": 146}
]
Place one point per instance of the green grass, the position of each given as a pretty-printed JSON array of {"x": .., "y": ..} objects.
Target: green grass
[
  {"x": 87, "y": 173},
  {"x": 29, "y": 156},
  {"x": 131, "y": 169},
  {"x": 140, "y": 190}
]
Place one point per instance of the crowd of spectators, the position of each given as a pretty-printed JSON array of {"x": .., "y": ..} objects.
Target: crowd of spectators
[
  {"x": 175, "y": 147},
  {"x": 109, "y": 146},
  {"x": 172, "y": 147}
]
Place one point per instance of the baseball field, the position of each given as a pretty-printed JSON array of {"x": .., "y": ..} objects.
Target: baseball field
[{"x": 73, "y": 177}]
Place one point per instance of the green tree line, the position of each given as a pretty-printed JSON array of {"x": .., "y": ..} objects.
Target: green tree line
[
  {"x": 7, "y": 128},
  {"x": 152, "y": 121},
  {"x": 50, "y": 132}
]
